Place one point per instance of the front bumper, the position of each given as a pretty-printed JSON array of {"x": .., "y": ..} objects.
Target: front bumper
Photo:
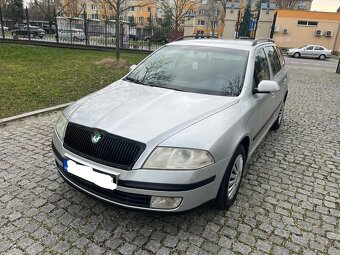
[{"x": 194, "y": 187}]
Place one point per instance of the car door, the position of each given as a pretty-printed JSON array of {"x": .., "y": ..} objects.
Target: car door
[
  {"x": 261, "y": 101},
  {"x": 318, "y": 50},
  {"x": 308, "y": 51},
  {"x": 278, "y": 74}
]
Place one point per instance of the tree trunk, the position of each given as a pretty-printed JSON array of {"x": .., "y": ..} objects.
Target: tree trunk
[{"x": 118, "y": 37}]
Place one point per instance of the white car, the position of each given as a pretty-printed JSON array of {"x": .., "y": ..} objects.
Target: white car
[
  {"x": 71, "y": 35},
  {"x": 310, "y": 51}
]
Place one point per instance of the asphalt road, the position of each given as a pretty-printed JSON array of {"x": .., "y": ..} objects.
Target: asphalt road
[
  {"x": 329, "y": 64},
  {"x": 289, "y": 200}
]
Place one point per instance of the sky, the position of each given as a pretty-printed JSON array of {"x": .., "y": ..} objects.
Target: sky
[{"x": 325, "y": 5}]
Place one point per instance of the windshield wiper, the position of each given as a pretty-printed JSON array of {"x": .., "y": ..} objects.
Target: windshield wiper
[
  {"x": 170, "y": 88},
  {"x": 134, "y": 80}
]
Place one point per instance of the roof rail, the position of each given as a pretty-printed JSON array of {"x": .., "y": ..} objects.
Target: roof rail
[
  {"x": 196, "y": 37},
  {"x": 262, "y": 39}
]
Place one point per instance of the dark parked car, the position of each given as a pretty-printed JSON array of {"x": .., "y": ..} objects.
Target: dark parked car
[
  {"x": 35, "y": 32},
  {"x": 156, "y": 38},
  {"x": 49, "y": 30},
  {"x": 133, "y": 37}
]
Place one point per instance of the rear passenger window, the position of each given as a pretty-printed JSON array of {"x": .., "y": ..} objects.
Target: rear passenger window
[
  {"x": 273, "y": 59},
  {"x": 261, "y": 68},
  {"x": 281, "y": 58}
]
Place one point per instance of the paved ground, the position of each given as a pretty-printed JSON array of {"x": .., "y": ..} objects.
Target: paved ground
[
  {"x": 288, "y": 202},
  {"x": 330, "y": 63}
]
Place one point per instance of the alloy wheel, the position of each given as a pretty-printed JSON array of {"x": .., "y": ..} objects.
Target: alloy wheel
[{"x": 235, "y": 177}]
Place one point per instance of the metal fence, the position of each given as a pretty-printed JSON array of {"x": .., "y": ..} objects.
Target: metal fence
[{"x": 91, "y": 32}]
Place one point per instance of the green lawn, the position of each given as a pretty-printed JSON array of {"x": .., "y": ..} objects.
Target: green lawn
[{"x": 33, "y": 77}]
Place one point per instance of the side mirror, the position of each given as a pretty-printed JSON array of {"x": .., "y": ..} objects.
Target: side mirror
[
  {"x": 132, "y": 67},
  {"x": 267, "y": 86}
]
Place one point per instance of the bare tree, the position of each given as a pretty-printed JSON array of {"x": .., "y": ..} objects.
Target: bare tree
[
  {"x": 119, "y": 7},
  {"x": 74, "y": 8},
  {"x": 223, "y": 4},
  {"x": 213, "y": 15},
  {"x": 178, "y": 10},
  {"x": 45, "y": 10},
  {"x": 286, "y": 4}
]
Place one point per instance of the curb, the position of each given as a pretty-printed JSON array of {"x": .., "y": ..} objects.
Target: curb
[{"x": 29, "y": 114}]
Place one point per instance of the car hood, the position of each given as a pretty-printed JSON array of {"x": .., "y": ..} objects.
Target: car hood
[{"x": 144, "y": 113}]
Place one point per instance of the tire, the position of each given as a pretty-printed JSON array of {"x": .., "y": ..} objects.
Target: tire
[
  {"x": 75, "y": 39},
  {"x": 231, "y": 180},
  {"x": 322, "y": 57},
  {"x": 297, "y": 55},
  {"x": 279, "y": 119}
]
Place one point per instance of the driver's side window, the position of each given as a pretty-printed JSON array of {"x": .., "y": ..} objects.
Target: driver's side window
[
  {"x": 309, "y": 48},
  {"x": 261, "y": 68}
]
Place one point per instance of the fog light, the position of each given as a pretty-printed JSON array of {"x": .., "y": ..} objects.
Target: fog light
[{"x": 165, "y": 202}]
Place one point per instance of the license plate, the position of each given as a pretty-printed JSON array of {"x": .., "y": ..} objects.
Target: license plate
[{"x": 85, "y": 172}]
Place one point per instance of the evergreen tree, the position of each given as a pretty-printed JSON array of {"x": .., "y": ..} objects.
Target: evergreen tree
[
  {"x": 14, "y": 10},
  {"x": 245, "y": 24}
]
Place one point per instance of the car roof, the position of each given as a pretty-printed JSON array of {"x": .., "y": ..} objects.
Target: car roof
[{"x": 220, "y": 43}]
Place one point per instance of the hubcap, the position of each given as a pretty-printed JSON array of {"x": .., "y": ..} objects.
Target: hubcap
[{"x": 235, "y": 177}]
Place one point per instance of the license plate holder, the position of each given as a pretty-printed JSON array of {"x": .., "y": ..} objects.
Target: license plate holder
[{"x": 87, "y": 173}]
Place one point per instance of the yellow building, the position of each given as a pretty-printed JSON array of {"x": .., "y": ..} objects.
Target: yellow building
[{"x": 297, "y": 28}]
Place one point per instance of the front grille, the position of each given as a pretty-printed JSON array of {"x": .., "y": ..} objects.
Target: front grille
[
  {"x": 111, "y": 150},
  {"x": 114, "y": 196}
]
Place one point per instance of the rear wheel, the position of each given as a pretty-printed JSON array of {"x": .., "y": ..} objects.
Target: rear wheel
[
  {"x": 231, "y": 180},
  {"x": 322, "y": 57},
  {"x": 297, "y": 55},
  {"x": 279, "y": 119}
]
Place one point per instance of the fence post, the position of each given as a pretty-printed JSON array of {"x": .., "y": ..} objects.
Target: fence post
[
  {"x": 70, "y": 19},
  {"x": 2, "y": 23},
  {"x": 106, "y": 32},
  {"x": 28, "y": 24},
  {"x": 56, "y": 26},
  {"x": 85, "y": 29}
]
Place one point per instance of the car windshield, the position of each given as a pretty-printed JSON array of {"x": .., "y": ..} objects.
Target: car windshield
[{"x": 198, "y": 69}]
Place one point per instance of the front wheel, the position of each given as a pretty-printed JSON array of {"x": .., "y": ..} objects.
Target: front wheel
[
  {"x": 231, "y": 180},
  {"x": 297, "y": 55}
]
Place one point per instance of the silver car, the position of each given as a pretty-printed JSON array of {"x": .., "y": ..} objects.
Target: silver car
[
  {"x": 310, "y": 51},
  {"x": 177, "y": 130},
  {"x": 71, "y": 35}
]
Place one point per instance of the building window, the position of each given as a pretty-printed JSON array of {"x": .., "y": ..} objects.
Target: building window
[
  {"x": 307, "y": 23},
  {"x": 149, "y": 9},
  {"x": 94, "y": 7},
  {"x": 201, "y": 22}
]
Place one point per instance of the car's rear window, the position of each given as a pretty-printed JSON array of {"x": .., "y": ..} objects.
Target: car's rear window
[{"x": 207, "y": 70}]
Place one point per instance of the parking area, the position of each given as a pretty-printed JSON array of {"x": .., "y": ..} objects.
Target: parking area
[{"x": 289, "y": 201}]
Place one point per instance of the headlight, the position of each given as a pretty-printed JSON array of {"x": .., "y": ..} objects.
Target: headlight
[
  {"x": 178, "y": 158},
  {"x": 61, "y": 125}
]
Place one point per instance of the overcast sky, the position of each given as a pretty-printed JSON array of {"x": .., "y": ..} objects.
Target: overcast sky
[{"x": 325, "y": 5}]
